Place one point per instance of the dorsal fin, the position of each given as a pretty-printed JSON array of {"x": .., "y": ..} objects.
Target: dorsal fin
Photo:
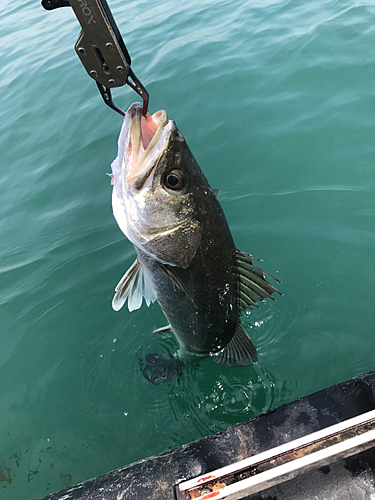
[
  {"x": 253, "y": 287},
  {"x": 240, "y": 351},
  {"x": 134, "y": 286}
]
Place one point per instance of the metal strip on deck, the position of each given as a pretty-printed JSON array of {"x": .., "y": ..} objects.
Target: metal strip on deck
[{"x": 283, "y": 462}]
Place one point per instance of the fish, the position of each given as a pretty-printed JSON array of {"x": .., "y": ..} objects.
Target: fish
[{"x": 186, "y": 258}]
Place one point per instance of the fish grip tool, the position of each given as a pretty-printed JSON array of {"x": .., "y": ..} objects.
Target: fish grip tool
[{"x": 101, "y": 49}]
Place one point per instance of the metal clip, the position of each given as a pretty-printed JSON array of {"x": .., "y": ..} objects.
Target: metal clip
[{"x": 101, "y": 48}]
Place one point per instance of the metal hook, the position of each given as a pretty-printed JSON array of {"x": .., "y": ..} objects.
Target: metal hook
[
  {"x": 107, "y": 98},
  {"x": 136, "y": 85}
]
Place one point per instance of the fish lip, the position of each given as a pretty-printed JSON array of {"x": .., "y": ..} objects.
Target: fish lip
[
  {"x": 142, "y": 145},
  {"x": 134, "y": 109}
]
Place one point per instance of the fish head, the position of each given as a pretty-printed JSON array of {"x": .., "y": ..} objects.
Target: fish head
[{"x": 158, "y": 188}]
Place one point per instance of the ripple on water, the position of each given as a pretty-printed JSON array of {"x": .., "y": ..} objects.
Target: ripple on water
[
  {"x": 212, "y": 398},
  {"x": 271, "y": 325}
]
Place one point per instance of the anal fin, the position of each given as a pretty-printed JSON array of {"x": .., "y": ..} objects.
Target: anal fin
[{"x": 240, "y": 350}]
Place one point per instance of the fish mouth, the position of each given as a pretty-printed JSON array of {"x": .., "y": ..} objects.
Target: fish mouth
[{"x": 147, "y": 139}]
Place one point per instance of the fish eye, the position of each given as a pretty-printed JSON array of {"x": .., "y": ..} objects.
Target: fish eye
[{"x": 174, "y": 180}]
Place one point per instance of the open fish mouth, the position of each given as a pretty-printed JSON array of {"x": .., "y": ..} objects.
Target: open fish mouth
[{"x": 147, "y": 139}]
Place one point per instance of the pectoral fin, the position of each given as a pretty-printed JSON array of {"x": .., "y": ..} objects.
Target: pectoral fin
[
  {"x": 240, "y": 351},
  {"x": 176, "y": 281},
  {"x": 134, "y": 286}
]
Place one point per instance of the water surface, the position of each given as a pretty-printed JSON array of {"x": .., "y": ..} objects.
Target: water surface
[{"x": 277, "y": 102}]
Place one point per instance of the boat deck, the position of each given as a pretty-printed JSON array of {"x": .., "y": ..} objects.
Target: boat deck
[{"x": 157, "y": 478}]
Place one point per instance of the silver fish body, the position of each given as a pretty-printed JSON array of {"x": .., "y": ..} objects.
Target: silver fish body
[{"x": 186, "y": 257}]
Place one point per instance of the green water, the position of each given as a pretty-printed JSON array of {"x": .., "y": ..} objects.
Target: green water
[{"x": 277, "y": 102}]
